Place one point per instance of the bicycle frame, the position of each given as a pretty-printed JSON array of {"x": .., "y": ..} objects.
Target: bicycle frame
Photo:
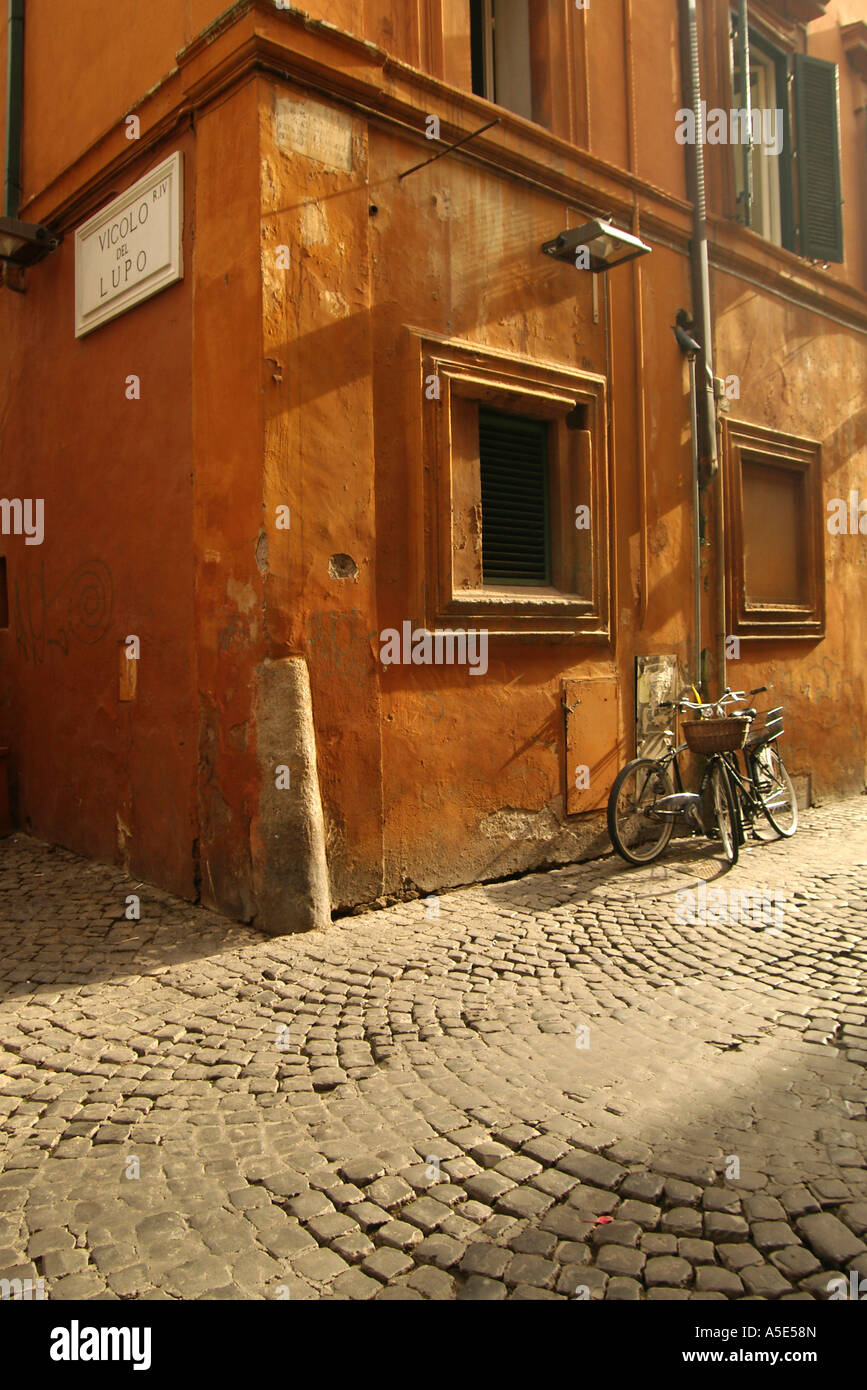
[{"x": 682, "y": 801}]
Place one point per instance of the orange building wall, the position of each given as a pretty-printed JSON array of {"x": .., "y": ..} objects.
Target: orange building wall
[
  {"x": 228, "y": 513},
  {"x": 266, "y": 387},
  {"x": 115, "y": 780},
  {"x": 87, "y": 64}
]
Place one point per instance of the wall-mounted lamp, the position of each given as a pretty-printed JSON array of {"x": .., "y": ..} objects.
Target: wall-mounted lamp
[
  {"x": 25, "y": 243},
  {"x": 607, "y": 245}
]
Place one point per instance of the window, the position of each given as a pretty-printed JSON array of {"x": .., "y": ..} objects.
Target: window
[
  {"x": 774, "y": 534},
  {"x": 801, "y": 212},
  {"x": 513, "y": 462},
  {"x": 762, "y": 162},
  {"x": 765, "y": 162},
  {"x": 509, "y": 45},
  {"x": 775, "y": 516},
  {"x": 515, "y": 478}
]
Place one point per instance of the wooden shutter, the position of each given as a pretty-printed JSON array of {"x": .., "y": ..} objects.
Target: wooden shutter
[
  {"x": 821, "y": 212},
  {"x": 513, "y": 458}
]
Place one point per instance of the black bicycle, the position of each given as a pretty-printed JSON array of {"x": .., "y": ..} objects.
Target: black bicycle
[
  {"x": 763, "y": 789},
  {"x": 649, "y": 795}
]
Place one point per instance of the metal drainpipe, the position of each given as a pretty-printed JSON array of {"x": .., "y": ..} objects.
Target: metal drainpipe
[
  {"x": 696, "y": 523},
  {"x": 638, "y": 322},
  {"x": 14, "y": 105},
  {"x": 701, "y": 273}
]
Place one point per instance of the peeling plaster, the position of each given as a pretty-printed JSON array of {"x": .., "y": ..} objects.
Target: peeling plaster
[
  {"x": 261, "y": 553},
  {"x": 244, "y": 595}
]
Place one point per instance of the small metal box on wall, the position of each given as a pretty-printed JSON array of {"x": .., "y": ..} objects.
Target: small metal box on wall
[{"x": 593, "y": 746}]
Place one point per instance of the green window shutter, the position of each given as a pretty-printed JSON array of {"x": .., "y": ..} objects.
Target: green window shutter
[
  {"x": 819, "y": 183},
  {"x": 513, "y": 456}
]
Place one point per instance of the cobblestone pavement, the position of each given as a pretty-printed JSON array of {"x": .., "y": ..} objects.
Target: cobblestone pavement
[{"x": 555, "y": 1088}]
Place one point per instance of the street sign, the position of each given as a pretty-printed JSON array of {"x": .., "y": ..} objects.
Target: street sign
[{"x": 130, "y": 249}]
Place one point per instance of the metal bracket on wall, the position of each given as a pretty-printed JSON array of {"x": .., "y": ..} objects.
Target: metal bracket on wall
[{"x": 448, "y": 149}]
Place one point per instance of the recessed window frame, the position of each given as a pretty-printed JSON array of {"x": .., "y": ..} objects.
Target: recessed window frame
[
  {"x": 578, "y": 602},
  {"x": 746, "y": 616},
  {"x": 524, "y": 91}
]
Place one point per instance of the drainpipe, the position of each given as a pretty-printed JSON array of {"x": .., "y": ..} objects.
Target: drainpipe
[
  {"x": 696, "y": 522},
  {"x": 746, "y": 102},
  {"x": 14, "y": 106},
  {"x": 699, "y": 251},
  {"x": 692, "y": 350},
  {"x": 701, "y": 278}
]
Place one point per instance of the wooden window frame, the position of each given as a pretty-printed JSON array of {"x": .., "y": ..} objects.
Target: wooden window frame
[
  {"x": 780, "y": 59},
  {"x": 539, "y": 59},
  {"x": 577, "y": 605},
  {"x": 750, "y": 618}
]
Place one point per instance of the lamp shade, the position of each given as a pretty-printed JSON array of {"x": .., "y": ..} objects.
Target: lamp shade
[{"x": 606, "y": 245}]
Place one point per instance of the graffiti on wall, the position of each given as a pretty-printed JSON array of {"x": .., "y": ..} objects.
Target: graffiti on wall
[
  {"x": 826, "y": 679},
  {"x": 79, "y": 611},
  {"x": 823, "y": 697}
]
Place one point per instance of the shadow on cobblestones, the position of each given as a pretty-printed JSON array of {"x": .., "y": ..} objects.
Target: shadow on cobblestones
[{"x": 63, "y": 922}]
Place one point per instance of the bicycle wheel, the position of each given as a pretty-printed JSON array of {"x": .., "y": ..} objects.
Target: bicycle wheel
[
  {"x": 775, "y": 790},
  {"x": 725, "y": 810},
  {"x": 637, "y": 833}
]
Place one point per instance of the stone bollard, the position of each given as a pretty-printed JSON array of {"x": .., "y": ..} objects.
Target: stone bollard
[{"x": 290, "y": 869}]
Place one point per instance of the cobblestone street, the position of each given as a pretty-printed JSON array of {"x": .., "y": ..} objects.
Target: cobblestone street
[{"x": 554, "y": 1088}]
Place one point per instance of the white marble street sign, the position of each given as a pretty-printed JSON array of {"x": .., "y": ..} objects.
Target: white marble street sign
[{"x": 130, "y": 249}]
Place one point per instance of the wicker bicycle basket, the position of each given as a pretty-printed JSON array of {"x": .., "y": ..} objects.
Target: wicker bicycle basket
[{"x": 715, "y": 735}]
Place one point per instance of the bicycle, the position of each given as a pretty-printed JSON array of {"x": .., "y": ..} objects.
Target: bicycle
[
  {"x": 764, "y": 788},
  {"x": 648, "y": 794}
]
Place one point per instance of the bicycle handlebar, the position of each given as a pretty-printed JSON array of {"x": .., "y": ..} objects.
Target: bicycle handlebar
[
  {"x": 717, "y": 708},
  {"x": 729, "y": 695}
]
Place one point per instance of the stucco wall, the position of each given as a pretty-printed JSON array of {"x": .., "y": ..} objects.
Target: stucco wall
[
  {"x": 429, "y": 775},
  {"x": 814, "y": 388},
  {"x": 110, "y": 779}
]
